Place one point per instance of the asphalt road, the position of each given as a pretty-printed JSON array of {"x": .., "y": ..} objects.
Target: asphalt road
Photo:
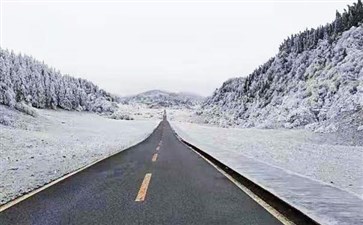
[{"x": 180, "y": 188}]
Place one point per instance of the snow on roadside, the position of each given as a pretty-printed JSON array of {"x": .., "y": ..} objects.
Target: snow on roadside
[
  {"x": 144, "y": 112},
  {"x": 34, "y": 151},
  {"x": 300, "y": 151}
]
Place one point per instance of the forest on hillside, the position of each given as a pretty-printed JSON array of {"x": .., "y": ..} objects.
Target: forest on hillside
[
  {"x": 25, "y": 81},
  {"x": 316, "y": 76}
]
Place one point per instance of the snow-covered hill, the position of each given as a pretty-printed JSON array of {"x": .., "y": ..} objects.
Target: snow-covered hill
[
  {"x": 315, "y": 80},
  {"x": 164, "y": 99},
  {"x": 26, "y": 83}
]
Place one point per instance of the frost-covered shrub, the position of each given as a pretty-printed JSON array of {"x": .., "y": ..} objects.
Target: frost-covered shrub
[
  {"x": 300, "y": 117},
  {"x": 7, "y": 95},
  {"x": 101, "y": 105},
  {"x": 120, "y": 116},
  {"x": 312, "y": 126},
  {"x": 5, "y": 120},
  {"x": 22, "y": 107},
  {"x": 327, "y": 129}
]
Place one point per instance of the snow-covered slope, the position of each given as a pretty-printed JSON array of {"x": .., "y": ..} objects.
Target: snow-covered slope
[
  {"x": 26, "y": 83},
  {"x": 164, "y": 99},
  {"x": 307, "y": 170},
  {"x": 315, "y": 80},
  {"x": 319, "y": 156},
  {"x": 35, "y": 151}
]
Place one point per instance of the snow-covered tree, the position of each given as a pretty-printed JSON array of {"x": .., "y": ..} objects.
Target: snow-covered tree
[
  {"x": 316, "y": 76},
  {"x": 27, "y": 81}
]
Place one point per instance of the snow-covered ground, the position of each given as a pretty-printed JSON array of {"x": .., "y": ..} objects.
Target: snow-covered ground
[
  {"x": 34, "y": 151},
  {"x": 160, "y": 99},
  {"x": 308, "y": 171},
  {"x": 144, "y": 112},
  {"x": 318, "y": 156}
]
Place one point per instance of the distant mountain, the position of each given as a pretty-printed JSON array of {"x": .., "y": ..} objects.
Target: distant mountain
[
  {"x": 162, "y": 99},
  {"x": 316, "y": 78}
]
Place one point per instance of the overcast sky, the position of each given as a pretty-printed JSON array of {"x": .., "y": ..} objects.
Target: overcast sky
[{"x": 130, "y": 47}]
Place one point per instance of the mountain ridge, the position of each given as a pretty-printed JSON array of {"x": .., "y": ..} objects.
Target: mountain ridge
[{"x": 160, "y": 98}]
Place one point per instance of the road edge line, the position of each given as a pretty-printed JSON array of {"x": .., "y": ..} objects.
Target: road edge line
[
  {"x": 252, "y": 195},
  {"x": 65, "y": 176},
  {"x": 228, "y": 173}
]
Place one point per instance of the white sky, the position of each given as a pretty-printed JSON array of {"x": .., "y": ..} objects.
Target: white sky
[{"x": 130, "y": 47}]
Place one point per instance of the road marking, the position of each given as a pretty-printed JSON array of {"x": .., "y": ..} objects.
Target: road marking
[
  {"x": 143, "y": 189},
  {"x": 155, "y": 156},
  {"x": 260, "y": 201},
  {"x": 158, "y": 148},
  {"x": 65, "y": 176},
  {"x": 160, "y": 143}
]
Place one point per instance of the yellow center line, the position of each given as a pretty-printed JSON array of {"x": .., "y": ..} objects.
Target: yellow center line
[
  {"x": 155, "y": 156},
  {"x": 143, "y": 189}
]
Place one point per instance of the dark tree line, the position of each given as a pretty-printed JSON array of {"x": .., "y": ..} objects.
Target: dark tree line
[
  {"x": 298, "y": 43},
  {"x": 308, "y": 39}
]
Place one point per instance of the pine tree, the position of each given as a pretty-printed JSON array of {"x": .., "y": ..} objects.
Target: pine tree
[{"x": 338, "y": 24}]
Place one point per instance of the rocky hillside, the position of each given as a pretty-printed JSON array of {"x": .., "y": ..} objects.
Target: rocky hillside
[
  {"x": 164, "y": 99},
  {"x": 315, "y": 80}
]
